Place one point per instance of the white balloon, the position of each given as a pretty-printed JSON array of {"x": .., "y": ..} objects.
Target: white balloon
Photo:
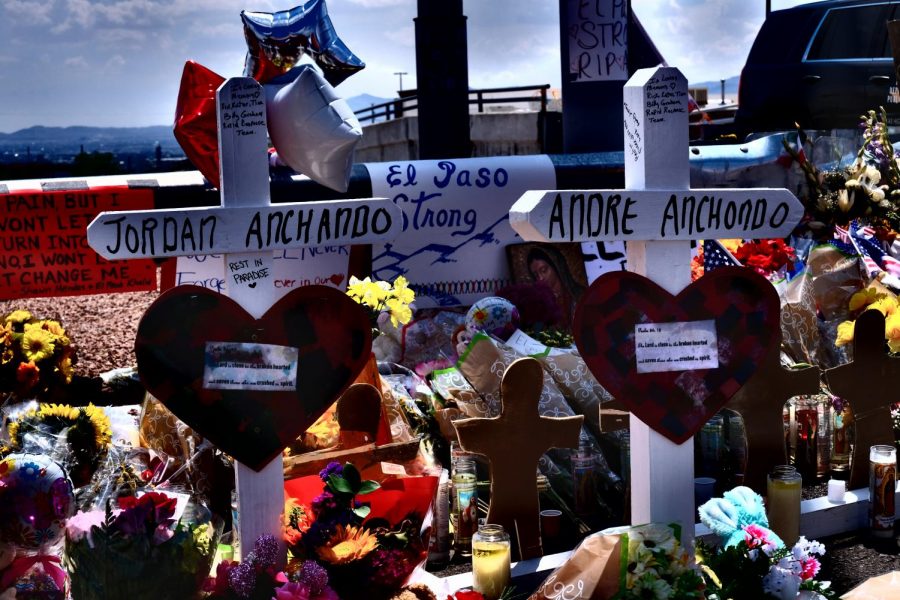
[{"x": 313, "y": 130}]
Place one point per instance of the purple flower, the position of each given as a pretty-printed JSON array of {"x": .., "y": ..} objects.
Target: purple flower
[
  {"x": 324, "y": 503},
  {"x": 333, "y": 468},
  {"x": 390, "y": 567},
  {"x": 266, "y": 549},
  {"x": 242, "y": 579},
  {"x": 314, "y": 576}
]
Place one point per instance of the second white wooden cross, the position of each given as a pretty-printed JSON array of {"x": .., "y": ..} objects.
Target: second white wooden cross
[{"x": 657, "y": 213}]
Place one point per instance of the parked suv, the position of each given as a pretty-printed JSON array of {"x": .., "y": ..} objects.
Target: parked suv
[{"x": 821, "y": 65}]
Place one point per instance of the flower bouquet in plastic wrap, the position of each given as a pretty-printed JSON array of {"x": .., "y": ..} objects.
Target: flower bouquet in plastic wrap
[
  {"x": 368, "y": 537},
  {"x": 139, "y": 549},
  {"x": 36, "y": 356},
  {"x": 753, "y": 563},
  {"x": 626, "y": 563}
]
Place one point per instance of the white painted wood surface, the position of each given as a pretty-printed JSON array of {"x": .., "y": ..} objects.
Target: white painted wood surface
[
  {"x": 244, "y": 172},
  {"x": 656, "y": 157},
  {"x": 612, "y": 215},
  {"x": 193, "y": 231}
]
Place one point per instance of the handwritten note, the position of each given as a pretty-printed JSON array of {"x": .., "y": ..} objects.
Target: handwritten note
[
  {"x": 257, "y": 367},
  {"x": 665, "y": 96},
  {"x": 679, "y": 346},
  {"x": 634, "y": 143},
  {"x": 598, "y": 40},
  {"x": 455, "y": 223},
  {"x": 244, "y": 111},
  {"x": 44, "y": 249},
  {"x": 291, "y": 268},
  {"x": 253, "y": 269}
]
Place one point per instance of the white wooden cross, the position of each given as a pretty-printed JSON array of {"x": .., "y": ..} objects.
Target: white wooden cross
[
  {"x": 657, "y": 213},
  {"x": 246, "y": 228}
]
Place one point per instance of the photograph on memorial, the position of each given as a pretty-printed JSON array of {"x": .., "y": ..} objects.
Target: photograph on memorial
[{"x": 557, "y": 267}]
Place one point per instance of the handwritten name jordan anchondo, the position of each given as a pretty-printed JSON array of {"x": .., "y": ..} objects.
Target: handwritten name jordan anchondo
[
  {"x": 574, "y": 216},
  {"x": 210, "y": 233}
]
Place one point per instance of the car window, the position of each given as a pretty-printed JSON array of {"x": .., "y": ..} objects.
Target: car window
[{"x": 854, "y": 32}]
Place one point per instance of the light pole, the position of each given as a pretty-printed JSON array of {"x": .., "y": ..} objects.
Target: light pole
[{"x": 401, "y": 74}]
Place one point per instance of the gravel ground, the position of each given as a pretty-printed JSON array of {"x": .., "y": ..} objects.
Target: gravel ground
[{"x": 102, "y": 326}]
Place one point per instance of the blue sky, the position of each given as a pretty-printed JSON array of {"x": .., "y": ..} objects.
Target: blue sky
[{"x": 119, "y": 62}]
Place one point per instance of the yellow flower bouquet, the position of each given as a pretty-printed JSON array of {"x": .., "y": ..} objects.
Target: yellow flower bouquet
[
  {"x": 381, "y": 297},
  {"x": 874, "y": 298},
  {"x": 36, "y": 355}
]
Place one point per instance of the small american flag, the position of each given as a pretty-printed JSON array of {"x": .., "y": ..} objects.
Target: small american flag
[
  {"x": 875, "y": 257},
  {"x": 716, "y": 255}
]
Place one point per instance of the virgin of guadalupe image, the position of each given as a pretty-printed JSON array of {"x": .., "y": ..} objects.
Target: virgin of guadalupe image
[{"x": 547, "y": 265}]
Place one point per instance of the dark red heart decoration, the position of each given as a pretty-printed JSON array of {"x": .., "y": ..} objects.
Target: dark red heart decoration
[
  {"x": 331, "y": 332},
  {"x": 676, "y": 404}
]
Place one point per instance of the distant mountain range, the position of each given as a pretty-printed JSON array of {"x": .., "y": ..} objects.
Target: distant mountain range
[{"x": 64, "y": 140}]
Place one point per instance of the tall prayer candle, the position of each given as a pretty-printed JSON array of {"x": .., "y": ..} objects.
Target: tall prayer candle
[
  {"x": 783, "y": 505},
  {"x": 490, "y": 560},
  {"x": 882, "y": 487}
]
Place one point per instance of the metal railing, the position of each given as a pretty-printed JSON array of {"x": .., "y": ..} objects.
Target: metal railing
[{"x": 394, "y": 109}]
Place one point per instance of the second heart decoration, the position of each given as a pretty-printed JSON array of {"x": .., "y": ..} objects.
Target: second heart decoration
[{"x": 674, "y": 361}]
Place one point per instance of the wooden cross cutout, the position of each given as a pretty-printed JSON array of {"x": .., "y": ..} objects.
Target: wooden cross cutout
[
  {"x": 657, "y": 213},
  {"x": 869, "y": 383},
  {"x": 761, "y": 404},
  {"x": 514, "y": 442},
  {"x": 246, "y": 228}
]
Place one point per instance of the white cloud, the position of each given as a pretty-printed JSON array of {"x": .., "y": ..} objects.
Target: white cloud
[
  {"x": 114, "y": 64},
  {"x": 25, "y": 10},
  {"x": 77, "y": 62}
]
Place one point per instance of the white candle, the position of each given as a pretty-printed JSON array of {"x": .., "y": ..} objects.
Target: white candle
[{"x": 836, "y": 490}]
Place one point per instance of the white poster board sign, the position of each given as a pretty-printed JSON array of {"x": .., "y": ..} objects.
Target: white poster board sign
[
  {"x": 455, "y": 223},
  {"x": 291, "y": 268},
  {"x": 598, "y": 40},
  {"x": 603, "y": 257}
]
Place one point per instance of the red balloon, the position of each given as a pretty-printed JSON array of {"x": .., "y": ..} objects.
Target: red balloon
[{"x": 195, "y": 119}]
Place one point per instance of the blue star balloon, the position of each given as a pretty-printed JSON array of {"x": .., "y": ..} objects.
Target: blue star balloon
[{"x": 276, "y": 41}]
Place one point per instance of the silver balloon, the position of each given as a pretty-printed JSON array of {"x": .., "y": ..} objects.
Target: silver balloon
[{"x": 314, "y": 131}]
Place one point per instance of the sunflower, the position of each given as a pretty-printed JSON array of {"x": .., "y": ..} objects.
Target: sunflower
[
  {"x": 55, "y": 329},
  {"x": 17, "y": 317},
  {"x": 348, "y": 544},
  {"x": 37, "y": 344}
]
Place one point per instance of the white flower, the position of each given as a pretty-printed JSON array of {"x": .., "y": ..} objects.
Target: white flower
[
  {"x": 868, "y": 178},
  {"x": 781, "y": 583},
  {"x": 659, "y": 589}
]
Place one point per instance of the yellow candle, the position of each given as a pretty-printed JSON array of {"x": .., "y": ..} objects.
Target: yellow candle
[
  {"x": 784, "y": 492},
  {"x": 490, "y": 568}
]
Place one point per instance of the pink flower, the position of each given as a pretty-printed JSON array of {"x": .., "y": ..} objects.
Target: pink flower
[
  {"x": 810, "y": 568},
  {"x": 80, "y": 525},
  {"x": 292, "y": 591},
  {"x": 755, "y": 536}
]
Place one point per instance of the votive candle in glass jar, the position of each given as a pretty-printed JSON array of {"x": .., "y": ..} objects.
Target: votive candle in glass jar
[
  {"x": 490, "y": 560},
  {"x": 882, "y": 487},
  {"x": 784, "y": 490}
]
